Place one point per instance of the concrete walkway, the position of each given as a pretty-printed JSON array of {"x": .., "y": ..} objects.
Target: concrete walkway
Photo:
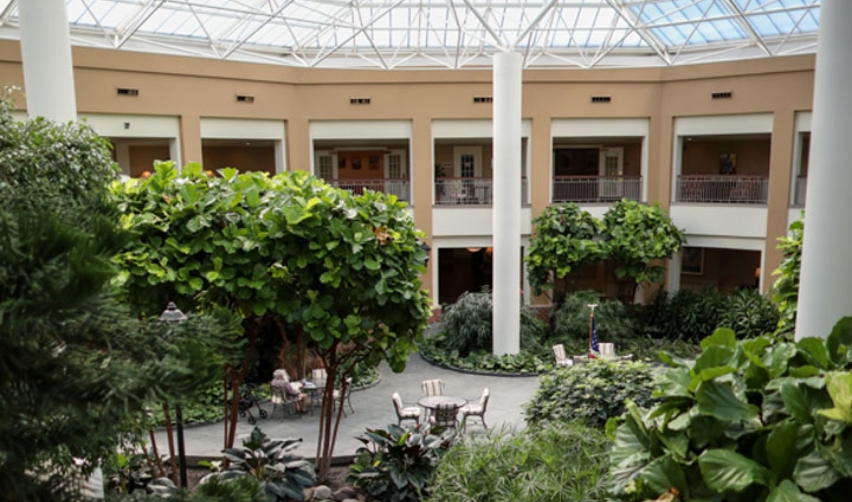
[{"x": 374, "y": 409}]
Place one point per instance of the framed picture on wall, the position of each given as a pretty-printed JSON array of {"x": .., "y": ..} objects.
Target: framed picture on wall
[{"x": 692, "y": 261}]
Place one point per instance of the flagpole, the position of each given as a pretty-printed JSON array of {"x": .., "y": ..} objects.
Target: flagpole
[{"x": 591, "y": 319}]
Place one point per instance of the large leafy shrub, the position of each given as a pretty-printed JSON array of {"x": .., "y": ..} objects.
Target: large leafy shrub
[
  {"x": 395, "y": 465},
  {"x": 282, "y": 474},
  {"x": 467, "y": 325},
  {"x": 684, "y": 315},
  {"x": 786, "y": 290},
  {"x": 753, "y": 420},
  {"x": 75, "y": 368},
  {"x": 565, "y": 239},
  {"x": 555, "y": 463},
  {"x": 749, "y": 314},
  {"x": 590, "y": 393},
  {"x": 570, "y": 321}
]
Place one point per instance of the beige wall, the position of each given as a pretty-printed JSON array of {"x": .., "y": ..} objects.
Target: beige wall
[{"x": 192, "y": 88}]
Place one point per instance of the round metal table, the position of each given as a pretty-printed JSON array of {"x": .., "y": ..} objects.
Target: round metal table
[{"x": 432, "y": 402}]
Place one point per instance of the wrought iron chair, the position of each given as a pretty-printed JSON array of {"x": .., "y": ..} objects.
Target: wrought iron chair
[
  {"x": 561, "y": 359},
  {"x": 476, "y": 409},
  {"x": 445, "y": 415},
  {"x": 402, "y": 413},
  {"x": 432, "y": 387}
]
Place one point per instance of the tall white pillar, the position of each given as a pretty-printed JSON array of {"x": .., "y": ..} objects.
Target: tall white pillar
[
  {"x": 507, "y": 203},
  {"x": 826, "y": 276},
  {"x": 46, "y": 52}
]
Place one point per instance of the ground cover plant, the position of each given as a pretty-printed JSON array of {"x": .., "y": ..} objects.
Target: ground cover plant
[
  {"x": 590, "y": 393},
  {"x": 560, "y": 462},
  {"x": 762, "y": 419}
]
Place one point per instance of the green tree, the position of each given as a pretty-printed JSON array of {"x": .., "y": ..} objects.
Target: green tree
[
  {"x": 785, "y": 293},
  {"x": 565, "y": 239},
  {"x": 343, "y": 269},
  {"x": 635, "y": 236},
  {"x": 74, "y": 367}
]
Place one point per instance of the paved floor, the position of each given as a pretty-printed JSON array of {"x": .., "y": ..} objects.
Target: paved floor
[{"x": 373, "y": 409}]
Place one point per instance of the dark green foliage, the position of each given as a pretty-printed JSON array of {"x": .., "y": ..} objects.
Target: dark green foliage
[
  {"x": 786, "y": 290},
  {"x": 466, "y": 325},
  {"x": 524, "y": 361},
  {"x": 555, "y": 463},
  {"x": 395, "y": 465},
  {"x": 565, "y": 239},
  {"x": 74, "y": 367},
  {"x": 757, "y": 420},
  {"x": 749, "y": 314},
  {"x": 571, "y": 320},
  {"x": 589, "y": 393},
  {"x": 282, "y": 474},
  {"x": 685, "y": 315}
]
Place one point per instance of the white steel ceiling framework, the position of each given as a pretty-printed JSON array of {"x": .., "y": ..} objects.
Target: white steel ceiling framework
[{"x": 391, "y": 34}]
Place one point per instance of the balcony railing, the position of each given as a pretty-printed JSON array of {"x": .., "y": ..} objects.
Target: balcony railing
[
  {"x": 398, "y": 187},
  {"x": 726, "y": 189},
  {"x": 801, "y": 190},
  {"x": 596, "y": 189},
  {"x": 470, "y": 192}
]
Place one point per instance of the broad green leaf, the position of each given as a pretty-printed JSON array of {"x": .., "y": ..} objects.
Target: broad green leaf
[
  {"x": 371, "y": 264},
  {"x": 664, "y": 473},
  {"x": 795, "y": 403},
  {"x": 839, "y": 340},
  {"x": 814, "y": 349},
  {"x": 713, "y": 357},
  {"x": 723, "y": 337},
  {"x": 787, "y": 491},
  {"x": 728, "y": 471},
  {"x": 718, "y": 400},
  {"x": 839, "y": 386},
  {"x": 813, "y": 472},
  {"x": 781, "y": 451}
]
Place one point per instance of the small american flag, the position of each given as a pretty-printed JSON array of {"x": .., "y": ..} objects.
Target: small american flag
[{"x": 594, "y": 348}]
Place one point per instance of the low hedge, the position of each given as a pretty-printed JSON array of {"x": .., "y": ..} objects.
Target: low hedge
[{"x": 590, "y": 393}]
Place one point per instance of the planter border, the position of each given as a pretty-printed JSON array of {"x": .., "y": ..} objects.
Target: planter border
[{"x": 475, "y": 372}]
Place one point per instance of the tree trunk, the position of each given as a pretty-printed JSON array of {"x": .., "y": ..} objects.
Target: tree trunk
[
  {"x": 170, "y": 436},
  {"x": 157, "y": 458}
]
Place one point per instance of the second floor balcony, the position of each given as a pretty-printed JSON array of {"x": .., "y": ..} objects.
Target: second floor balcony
[
  {"x": 470, "y": 191},
  {"x": 596, "y": 189},
  {"x": 724, "y": 189},
  {"x": 399, "y": 187}
]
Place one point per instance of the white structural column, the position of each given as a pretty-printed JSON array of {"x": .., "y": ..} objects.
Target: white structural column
[
  {"x": 46, "y": 52},
  {"x": 507, "y": 203},
  {"x": 826, "y": 276}
]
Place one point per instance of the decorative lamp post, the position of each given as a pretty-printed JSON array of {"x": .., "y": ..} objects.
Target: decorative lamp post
[{"x": 172, "y": 314}]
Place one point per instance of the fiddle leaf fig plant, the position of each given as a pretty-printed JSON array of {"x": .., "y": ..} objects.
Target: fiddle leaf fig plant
[
  {"x": 636, "y": 237},
  {"x": 566, "y": 238},
  {"x": 762, "y": 420}
]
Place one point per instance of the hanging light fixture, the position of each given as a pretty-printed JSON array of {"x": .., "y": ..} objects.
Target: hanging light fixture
[{"x": 474, "y": 250}]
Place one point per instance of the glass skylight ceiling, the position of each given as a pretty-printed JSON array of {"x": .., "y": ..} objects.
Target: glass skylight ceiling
[{"x": 445, "y": 33}]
